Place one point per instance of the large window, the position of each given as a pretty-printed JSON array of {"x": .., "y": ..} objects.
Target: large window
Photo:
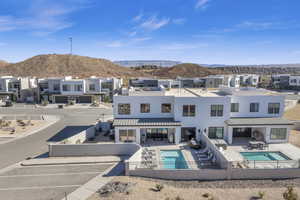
[
  {"x": 216, "y": 110},
  {"x": 166, "y": 108},
  {"x": 188, "y": 110},
  {"x": 124, "y": 109},
  {"x": 92, "y": 87},
  {"x": 145, "y": 108},
  {"x": 127, "y": 135},
  {"x": 273, "y": 108},
  {"x": 78, "y": 88},
  {"x": 66, "y": 88},
  {"x": 56, "y": 87},
  {"x": 278, "y": 133},
  {"x": 254, "y": 107},
  {"x": 216, "y": 132},
  {"x": 234, "y": 107}
]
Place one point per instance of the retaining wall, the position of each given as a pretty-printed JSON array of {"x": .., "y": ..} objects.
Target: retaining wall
[
  {"x": 69, "y": 150},
  {"x": 81, "y": 137}
]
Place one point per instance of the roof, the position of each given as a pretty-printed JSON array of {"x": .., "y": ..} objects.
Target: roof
[
  {"x": 257, "y": 121},
  {"x": 146, "y": 122}
]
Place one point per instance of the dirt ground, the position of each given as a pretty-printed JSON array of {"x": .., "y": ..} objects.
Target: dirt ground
[
  {"x": 142, "y": 191},
  {"x": 34, "y": 124},
  {"x": 293, "y": 114}
]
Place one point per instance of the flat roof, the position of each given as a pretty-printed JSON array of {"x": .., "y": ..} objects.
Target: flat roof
[
  {"x": 257, "y": 121},
  {"x": 146, "y": 122}
]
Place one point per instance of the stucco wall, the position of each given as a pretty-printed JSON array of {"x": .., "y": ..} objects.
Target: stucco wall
[{"x": 65, "y": 150}]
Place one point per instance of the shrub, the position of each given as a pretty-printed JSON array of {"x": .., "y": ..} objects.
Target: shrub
[
  {"x": 158, "y": 187},
  {"x": 45, "y": 103},
  {"x": 179, "y": 198},
  {"x": 290, "y": 194},
  {"x": 205, "y": 195},
  {"x": 261, "y": 195}
]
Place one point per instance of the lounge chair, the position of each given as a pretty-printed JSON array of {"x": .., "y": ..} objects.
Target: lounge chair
[{"x": 210, "y": 157}]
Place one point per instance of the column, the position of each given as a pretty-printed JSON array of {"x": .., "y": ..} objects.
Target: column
[
  {"x": 117, "y": 135},
  {"x": 177, "y": 135},
  {"x": 229, "y": 133}
]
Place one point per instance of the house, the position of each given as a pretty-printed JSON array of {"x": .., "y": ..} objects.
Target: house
[
  {"x": 294, "y": 82},
  {"x": 21, "y": 89},
  {"x": 64, "y": 90},
  {"x": 178, "y": 115}
]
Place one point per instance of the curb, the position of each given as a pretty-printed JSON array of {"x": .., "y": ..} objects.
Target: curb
[{"x": 67, "y": 163}]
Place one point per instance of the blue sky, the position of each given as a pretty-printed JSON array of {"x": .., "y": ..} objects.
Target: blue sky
[{"x": 200, "y": 31}]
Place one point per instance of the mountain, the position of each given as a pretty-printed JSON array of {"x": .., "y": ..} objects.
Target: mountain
[
  {"x": 53, "y": 65},
  {"x": 137, "y": 63},
  {"x": 3, "y": 63},
  {"x": 188, "y": 70},
  {"x": 263, "y": 70}
]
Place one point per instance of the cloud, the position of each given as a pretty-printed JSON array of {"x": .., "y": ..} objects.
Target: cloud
[
  {"x": 138, "y": 17},
  {"x": 141, "y": 39},
  {"x": 115, "y": 44},
  {"x": 154, "y": 23},
  {"x": 182, "y": 46},
  {"x": 2, "y": 44},
  {"x": 41, "y": 18},
  {"x": 202, "y": 4},
  {"x": 179, "y": 21},
  {"x": 256, "y": 25}
]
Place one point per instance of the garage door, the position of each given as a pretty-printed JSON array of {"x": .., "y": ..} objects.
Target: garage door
[
  {"x": 61, "y": 99},
  {"x": 85, "y": 99}
]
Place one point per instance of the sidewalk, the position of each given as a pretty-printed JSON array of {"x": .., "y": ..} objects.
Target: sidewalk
[
  {"x": 72, "y": 160},
  {"x": 96, "y": 183}
]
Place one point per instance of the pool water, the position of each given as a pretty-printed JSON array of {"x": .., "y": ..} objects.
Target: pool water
[
  {"x": 264, "y": 156},
  {"x": 173, "y": 159}
]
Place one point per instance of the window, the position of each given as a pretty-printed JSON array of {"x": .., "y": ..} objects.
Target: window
[
  {"x": 0, "y": 87},
  {"x": 78, "y": 88},
  {"x": 145, "y": 108},
  {"x": 188, "y": 110},
  {"x": 234, "y": 107},
  {"x": 166, "y": 108},
  {"x": 273, "y": 108},
  {"x": 92, "y": 87},
  {"x": 66, "y": 88},
  {"x": 278, "y": 133},
  {"x": 56, "y": 87},
  {"x": 254, "y": 107},
  {"x": 216, "y": 132},
  {"x": 216, "y": 111},
  {"x": 127, "y": 135},
  {"x": 123, "y": 109}
]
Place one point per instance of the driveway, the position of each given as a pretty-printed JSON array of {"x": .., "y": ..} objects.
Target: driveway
[
  {"x": 46, "y": 182},
  {"x": 36, "y": 144}
]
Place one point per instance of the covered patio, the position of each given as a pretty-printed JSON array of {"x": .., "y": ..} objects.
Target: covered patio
[
  {"x": 268, "y": 130},
  {"x": 147, "y": 130}
]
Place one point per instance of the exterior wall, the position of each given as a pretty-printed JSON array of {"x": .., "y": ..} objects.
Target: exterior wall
[
  {"x": 202, "y": 120},
  {"x": 51, "y": 83},
  {"x": 66, "y": 150},
  {"x": 96, "y": 82},
  {"x": 244, "y": 105},
  {"x": 72, "y": 84},
  {"x": 294, "y": 81},
  {"x": 135, "y": 101}
]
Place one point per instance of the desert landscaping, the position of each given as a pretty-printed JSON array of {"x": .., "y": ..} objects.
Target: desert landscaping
[{"x": 15, "y": 128}]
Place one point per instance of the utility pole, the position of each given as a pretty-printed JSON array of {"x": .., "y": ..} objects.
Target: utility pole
[{"x": 71, "y": 45}]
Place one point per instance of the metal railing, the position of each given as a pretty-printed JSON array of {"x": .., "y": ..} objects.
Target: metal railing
[{"x": 274, "y": 164}]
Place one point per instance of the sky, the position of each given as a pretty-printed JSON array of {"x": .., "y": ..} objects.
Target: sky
[{"x": 198, "y": 31}]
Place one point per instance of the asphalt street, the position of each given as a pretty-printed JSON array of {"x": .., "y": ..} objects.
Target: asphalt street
[
  {"x": 46, "y": 182},
  {"x": 36, "y": 144}
]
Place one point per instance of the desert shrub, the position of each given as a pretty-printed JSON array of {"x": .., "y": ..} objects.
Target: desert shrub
[
  {"x": 290, "y": 194},
  {"x": 261, "y": 195},
  {"x": 158, "y": 187}
]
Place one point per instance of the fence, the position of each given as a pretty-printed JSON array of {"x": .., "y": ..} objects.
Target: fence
[{"x": 274, "y": 164}]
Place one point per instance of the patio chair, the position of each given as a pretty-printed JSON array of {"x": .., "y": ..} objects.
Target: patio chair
[{"x": 210, "y": 157}]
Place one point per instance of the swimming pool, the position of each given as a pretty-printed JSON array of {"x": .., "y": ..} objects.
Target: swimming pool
[
  {"x": 264, "y": 156},
  {"x": 173, "y": 159}
]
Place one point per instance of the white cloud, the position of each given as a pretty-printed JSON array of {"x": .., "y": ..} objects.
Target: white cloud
[
  {"x": 179, "y": 21},
  {"x": 41, "y": 18},
  {"x": 202, "y": 4},
  {"x": 138, "y": 17},
  {"x": 256, "y": 25},
  {"x": 115, "y": 44},
  {"x": 141, "y": 39},
  {"x": 154, "y": 23}
]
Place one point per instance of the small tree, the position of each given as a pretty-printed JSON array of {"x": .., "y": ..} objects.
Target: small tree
[
  {"x": 158, "y": 187},
  {"x": 290, "y": 194},
  {"x": 261, "y": 195}
]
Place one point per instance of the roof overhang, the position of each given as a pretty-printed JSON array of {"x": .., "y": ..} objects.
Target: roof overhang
[
  {"x": 258, "y": 122},
  {"x": 146, "y": 122}
]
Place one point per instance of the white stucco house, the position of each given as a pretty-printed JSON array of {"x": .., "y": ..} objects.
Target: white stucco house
[{"x": 178, "y": 115}]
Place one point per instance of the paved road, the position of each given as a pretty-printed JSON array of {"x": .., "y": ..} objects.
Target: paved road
[
  {"x": 46, "y": 182},
  {"x": 36, "y": 144}
]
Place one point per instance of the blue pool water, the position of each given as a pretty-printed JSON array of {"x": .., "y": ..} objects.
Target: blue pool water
[
  {"x": 173, "y": 159},
  {"x": 264, "y": 156}
]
